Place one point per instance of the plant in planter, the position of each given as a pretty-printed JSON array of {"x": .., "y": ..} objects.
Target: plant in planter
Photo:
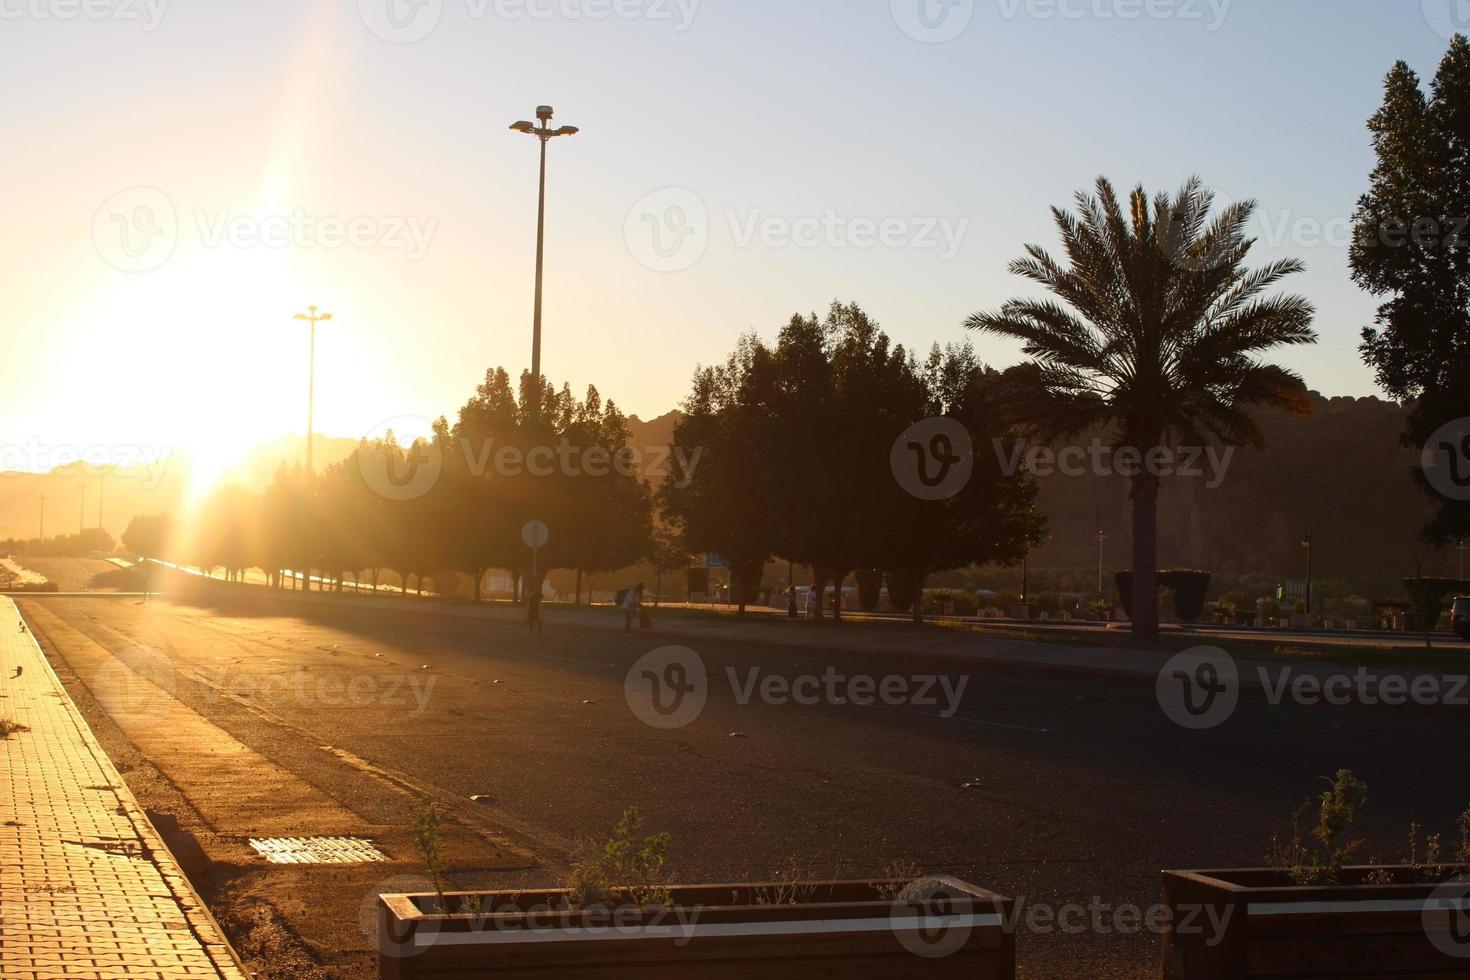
[
  {"x": 1311, "y": 914},
  {"x": 621, "y": 917}
]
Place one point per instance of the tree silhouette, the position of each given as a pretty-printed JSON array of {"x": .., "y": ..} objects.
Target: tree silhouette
[
  {"x": 1155, "y": 334},
  {"x": 1411, "y": 245}
]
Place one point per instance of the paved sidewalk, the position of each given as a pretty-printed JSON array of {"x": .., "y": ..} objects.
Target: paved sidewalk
[{"x": 87, "y": 888}]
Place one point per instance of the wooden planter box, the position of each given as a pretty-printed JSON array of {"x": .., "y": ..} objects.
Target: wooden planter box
[
  {"x": 841, "y": 929},
  {"x": 1255, "y": 923}
]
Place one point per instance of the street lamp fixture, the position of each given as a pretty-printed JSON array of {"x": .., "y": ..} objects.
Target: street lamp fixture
[
  {"x": 545, "y": 134},
  {"x": 313, "y": 318}
]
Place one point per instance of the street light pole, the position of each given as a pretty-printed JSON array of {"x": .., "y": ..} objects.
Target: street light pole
[
  {"x": 313, "y": 318},
  {"x": 1101, "y": 537},
  {"x": 1307, "y": 543},
  {"x": 544, "y": 133},
  {"x": 1462, "y": 559}
]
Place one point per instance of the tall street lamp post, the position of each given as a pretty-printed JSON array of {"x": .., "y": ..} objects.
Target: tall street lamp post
[
  {"x": 544, "y": 133},
  {"x": 313, "y": 318},
  {"x": 1307, "y": 543}
]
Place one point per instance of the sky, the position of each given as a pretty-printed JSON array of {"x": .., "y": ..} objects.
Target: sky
[{"x": 182, "y": 176}]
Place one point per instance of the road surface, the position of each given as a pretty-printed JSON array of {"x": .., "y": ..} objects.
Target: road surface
[{"x": 282, "y": 716}]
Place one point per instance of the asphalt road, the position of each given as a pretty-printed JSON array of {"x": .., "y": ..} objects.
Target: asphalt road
[{"x": 277, "y": 715}]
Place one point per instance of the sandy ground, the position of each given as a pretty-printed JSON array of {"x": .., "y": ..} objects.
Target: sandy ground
[{"x": 1050, "y": 790}]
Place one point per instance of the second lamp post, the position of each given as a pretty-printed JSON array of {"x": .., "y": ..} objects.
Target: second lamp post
[{"x": 544, "y": 133}]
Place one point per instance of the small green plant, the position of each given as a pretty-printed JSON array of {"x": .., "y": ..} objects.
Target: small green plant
[
  {"x": 623, "y": 870},
  {"x": 428, "y": 840},
  {"x": 1337, "y": 813},
  {"x": 9, "y": 728},
  {"x": 790, "y": 884}
]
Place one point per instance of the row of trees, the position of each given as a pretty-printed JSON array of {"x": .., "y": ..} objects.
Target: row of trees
[
  {"x": 796, "y": 440},
  {"x": 86, "y": 542},
  {"x": 1155, "y": 331},
  {"x": 455, "y": 501}
]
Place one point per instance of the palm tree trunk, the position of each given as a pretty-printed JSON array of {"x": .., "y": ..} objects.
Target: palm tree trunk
[{"x": 1146, "y": 558}]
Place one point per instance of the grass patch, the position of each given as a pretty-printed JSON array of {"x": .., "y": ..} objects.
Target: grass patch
[{"x": 9, "y": 728}]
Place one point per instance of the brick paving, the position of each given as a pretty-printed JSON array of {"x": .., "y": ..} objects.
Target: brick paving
[{"x": 87, "y": 888}]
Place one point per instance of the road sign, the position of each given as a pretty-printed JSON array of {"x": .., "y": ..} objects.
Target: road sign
[
  {"x": 716, "y": 561},
  {"x": 535, "y": 534}
]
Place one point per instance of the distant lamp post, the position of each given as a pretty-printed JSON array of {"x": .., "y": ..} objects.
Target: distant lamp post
[
  {"x": 1101, "y": 537},
  {"x": 544, "y": 133},
  {"x": 313, "y": 318},
  {"x": 1307, "y": 543},
  {"x": 1461, "y": 549}
]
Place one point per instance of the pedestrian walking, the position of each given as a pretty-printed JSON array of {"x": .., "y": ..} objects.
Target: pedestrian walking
[
  {"x": 791, "y": 601},
  {"x": 632, "y": 603}
]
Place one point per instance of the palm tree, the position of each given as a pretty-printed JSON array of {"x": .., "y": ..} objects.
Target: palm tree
[{"x": 1154, "y": 333}]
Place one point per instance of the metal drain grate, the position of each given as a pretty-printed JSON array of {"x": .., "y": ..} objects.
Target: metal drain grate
[{"x": 317, "y": 850}]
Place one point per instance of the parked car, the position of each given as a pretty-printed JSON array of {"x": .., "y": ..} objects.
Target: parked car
[{"x": 1460, "y": 616}]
